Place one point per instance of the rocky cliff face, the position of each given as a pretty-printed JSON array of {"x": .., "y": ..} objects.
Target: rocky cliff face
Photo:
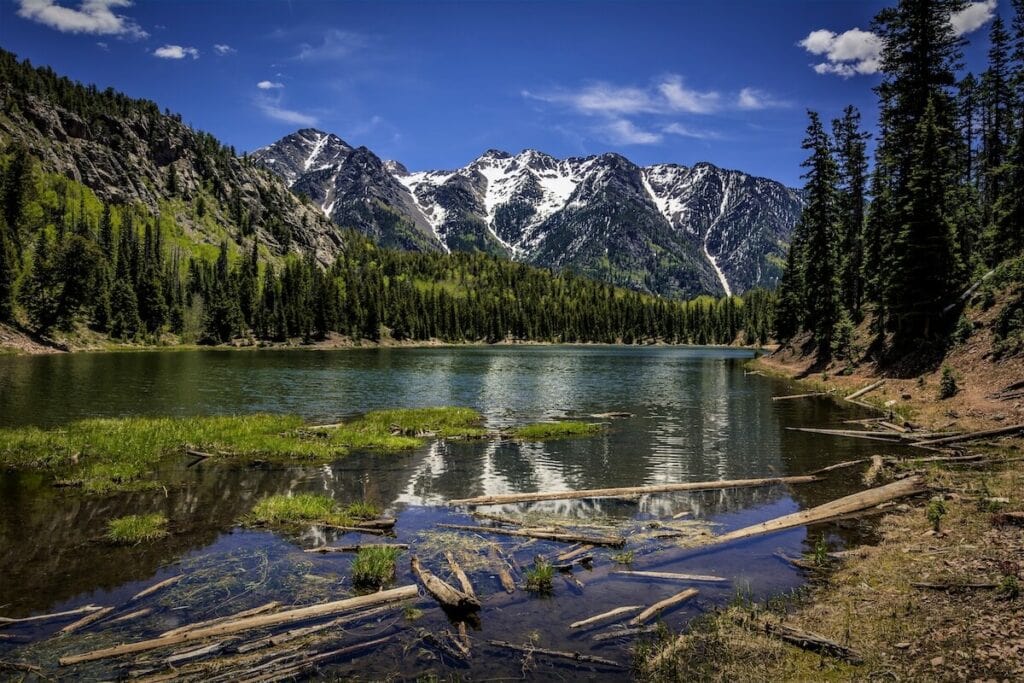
[
  {"x": 126, "y": 151},
  {"x": 668, "y": 229}
]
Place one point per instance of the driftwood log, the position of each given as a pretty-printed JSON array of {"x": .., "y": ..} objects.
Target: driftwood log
[
  {"x": 670, "y": 576},
  {"x": 449, "y": 596},
  {"x": 606, "y": 616},
  {"x": 573, "y": 656},
  {"x": 807, "y": 640},
  {"x": 860, "y": 392},
  {"x": 973, "y": 436},
  {"x": 145, "y": 593},
  {"x": 355, "y": 547},
  {"x": 543, "y": 534},
  {"x": 662, "y": 605},
  {"x": 5, "y": 621},
  {"x": 807, "y": 395},
  {"x": 631, "y": 490},
  {"x": 262, "y": 609}
]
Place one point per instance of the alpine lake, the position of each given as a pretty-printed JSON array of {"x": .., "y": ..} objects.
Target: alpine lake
[{"x": 694, "y": 414}]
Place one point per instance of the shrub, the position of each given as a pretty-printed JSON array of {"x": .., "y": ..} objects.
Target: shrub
[{"x": 947, "y": 385}]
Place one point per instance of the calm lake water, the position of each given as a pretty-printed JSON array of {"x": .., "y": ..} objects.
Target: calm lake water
[{"x": 696, "y": 416}]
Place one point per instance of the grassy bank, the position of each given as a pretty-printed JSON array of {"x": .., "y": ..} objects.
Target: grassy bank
[{"x": 867, "y": 599}]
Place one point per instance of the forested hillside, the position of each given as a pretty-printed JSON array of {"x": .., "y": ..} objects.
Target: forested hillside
[
  {"x": 883, "y": 278},
  {"x": 119, "y": 221}
]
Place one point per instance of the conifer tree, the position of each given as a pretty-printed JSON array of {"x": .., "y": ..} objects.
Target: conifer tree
[
  {"x": 851, "y": 152},
  {"x": 8, "y": 272}
]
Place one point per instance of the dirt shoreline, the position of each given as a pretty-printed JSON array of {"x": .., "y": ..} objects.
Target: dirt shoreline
[{"x": 866, "y": 599}]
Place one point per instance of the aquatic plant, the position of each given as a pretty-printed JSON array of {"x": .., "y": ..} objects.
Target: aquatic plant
[
  {"x": 625, "y": 557},
  {"x": 539, "y": 577},
  {"x": 555, "y": 430},
  {"x": 283, "y": 510},
  {"x": 135, "y": 529},
  {"x": 374, "y": 567}
]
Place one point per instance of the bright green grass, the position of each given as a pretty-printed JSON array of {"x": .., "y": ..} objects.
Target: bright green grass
[
  {"x": 308, "y": 507},
  {"x": 555, "y": 430},
  {"x": 540, "y": 577},
  {"x": 374, "y": 567},
  {"x": 135, "y": 529},
  {"x": 117, "y": 453}
]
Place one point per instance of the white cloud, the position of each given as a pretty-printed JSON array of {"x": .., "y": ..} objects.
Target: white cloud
[
  {"x": 102, "y": 45},
  {"x": 175, "y": 52},
  {"x": 857, "y": 52},
  {"x": 688, "y": 132},
  {"x": 755, "y": 99},
  {"x": 623, "y": 132},
  {"x": 92, "y": 16},
  {"x": 269, "y": 85},
  {"x": 972, "y": 17},
  {"x": 680, "y": 98},
  {"x": 274, "y": 111},
  {"x": 335, "y": 44},
  {"x": 221, "y": 49}
]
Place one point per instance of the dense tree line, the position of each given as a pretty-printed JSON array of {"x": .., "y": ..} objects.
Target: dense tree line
[
  {"x": 68, "y": 260},
  {"x": 944, "y": 203}
]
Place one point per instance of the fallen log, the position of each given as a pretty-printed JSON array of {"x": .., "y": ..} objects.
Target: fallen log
[
  {"x": 501, "y": 566},
  {"x": 501, "y": 519},
  {"x": 840, "y": 466},
  {"x": 262, "y": 609},
  {"x": 137, "y": 614},
  {"x": 355, "y": 547},
  {"x": 543, "y": 535},
  {"x": 572, "y": 554},
  {"x": 247, "y": 624},
  {"x": 443, "y": 592},
  {"x": 288, "y": 636},
  {"x": 828, "y": 511},
  {"x": 85, "y": 621},
  {"x": 354, "y": 529},
  {"x": 658, "y": 607},
  {"x": 630, "y": 490},
  {"x": 972, "y": 436},
  {"x": 157, "y": 587},
  {"x": 616, "y": 633},
  {"x": 448, "y": 646},
  {"x": 893, "y": 427},
  {"x": 311, "y": 662},
  {"x": 6, "y": 621},
  {"x": 807, "y": 395},
  {"x": 891, "y": 437},
  {"x": 179, "y": 658},
  {"x": 606, "y": 616},
  {"x": 806, "y": 640},
  {"x": 860, "y": 392},
  {"x": 467, "y": 587},
  {"x": 574, "y": 656},
  {"x": 670, "y": 576},
  {"x": 382, "y": 523}
]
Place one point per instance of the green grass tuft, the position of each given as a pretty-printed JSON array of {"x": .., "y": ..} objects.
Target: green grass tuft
[
  {"x": 135, "y": 529},
  {"x": 287, "y": 510},
  {"x": 555, "y": 430},
  {"x": 540, "y": 577},
  {"x": 374, "y": 567}
]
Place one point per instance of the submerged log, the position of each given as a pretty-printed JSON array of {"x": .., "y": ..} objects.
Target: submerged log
[
  {"x": 574, "y": 656},
  {"x": 86, "y": 621},
  {"x": 381, "y": 523},
  {"x": 355, "y": 547},
  {"x": 658, "y": 607},
  {"x": 631, "y": 490},
  {"x": 262, "y": 609},
  {"x": 828, "y": 511},
  {"x": 288, "y": 636},
  {"x": 860, "y": 392},
  {"x": 157, "y": 587},
  {"x": 606, "y": 616},
  {"x": 467, "y": 587},
  {"x": 807, "y": 395},
  {"x": 137, "y": 614},
  {"x": 502, "y": 567},
  {"x": 615, "y": 633},
  {"x": 546, "y": 535},
  {"x": 972, "y": 436},
  {"x": 443, "y": 592},
  {"x": 248, "y": 624},
  {"x": 671, "y": 576},
  {"x": 5, "y": 621}
]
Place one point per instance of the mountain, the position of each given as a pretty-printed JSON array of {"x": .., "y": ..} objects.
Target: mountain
[
  {"x": 666, "y": 228},
  {"x": 128, "y": 151}
]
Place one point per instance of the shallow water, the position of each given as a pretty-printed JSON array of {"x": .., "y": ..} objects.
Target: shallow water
[{"x": 696, "y": 416}]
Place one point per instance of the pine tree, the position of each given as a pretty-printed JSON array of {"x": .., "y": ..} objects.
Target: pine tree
[
  {"x": 851, "y": 151},
  {"x": 8, "y": 272}
]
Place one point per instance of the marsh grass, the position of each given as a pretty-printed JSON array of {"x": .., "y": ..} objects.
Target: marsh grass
[
  {"x": 107, "y": 454},
  {"x": 540, "y": 577},
  {"x": 284, "y": 510},
  {"x": 374, "y": 567},
  {"x": 555, "y": 430},
  {"x": 135, "y": 529}
]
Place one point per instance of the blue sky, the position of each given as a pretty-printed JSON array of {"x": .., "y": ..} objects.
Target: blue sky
[{"x": 435, "y": 84}]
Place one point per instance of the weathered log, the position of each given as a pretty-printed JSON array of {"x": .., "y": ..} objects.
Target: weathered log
[
  {"x": 137, "y": 614},
  {"x": 467, "y": 587},
  {"x": 606, "y": 616},
  {"x": 658, "y": 607},
  {"x": 502, "y": 567},
  {"x": 179, "y": 658},
  {"x": 381, "y": 523},
  {"x": 288, "y": 636},
  {"x": 806, "y": 640},
  {"x": 631, "y": 490},
  {"x": 807, "y": 395},
  {"x": 501, "y": 519},
  {"x": 972, "y": 436},
  {"x": 541, "y": 534},
  {"x": 573, "y": 554},
  {"x": 354, "y": 529},
  {"x": 444, "y": 643},
  {"x": 198, "y": 454},
  {"x": 311, "y": 662},
  {"x": 890, "y": 437},
  {"x": 355, "y": 547},
  {"x": 443, "y": 592},
  {"x": 843, "y": 506},
  {"x": 573, "y": 656},
  {"x": 5, "y": 621},
  {"x": 893, "y": 427},
  {"x": 680, "y": 515},
  {"x": 860, "y": 392},
  {"x": 670, "y": 576},
  {"x": 615, "y": 633},
  {"x": 262, "y": 609},
  {"x": 157, "y": 587},
  {"x": 249, "y": 623},
  {"x": 85, "y": 621},
  {"x": 840, "y": 466}
]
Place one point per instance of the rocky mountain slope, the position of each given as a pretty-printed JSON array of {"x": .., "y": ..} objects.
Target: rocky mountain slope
[
  {"x": 126, "y": 150},
  {"x": 668, "y": 229}
]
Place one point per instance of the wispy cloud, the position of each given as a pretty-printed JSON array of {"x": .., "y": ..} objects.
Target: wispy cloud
[
  {"x": 91, "y": 16},
  {"x": 334, "y": 44},
  {"x": 176, "y": 52},
  {"x": 688, "y": 132},
  {"x": 624, "y": 132},
  {"x": 856, "y": 52},
  {"x": 269, "y": 85},
  {"x": 753, "y": 99},
  {"x": 272, "y": 108},
  {"x": 682, "y": 99},
  {"x": 223, "y": 50}
]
